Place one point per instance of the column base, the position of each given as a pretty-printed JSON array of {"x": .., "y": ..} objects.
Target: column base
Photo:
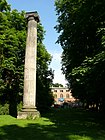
[{"x": 28, "y": 113}]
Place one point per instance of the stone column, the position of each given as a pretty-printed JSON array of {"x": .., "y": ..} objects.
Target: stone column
[{"x": 29, "y": 97}]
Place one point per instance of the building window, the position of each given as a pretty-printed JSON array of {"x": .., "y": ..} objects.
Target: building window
[
  {"x": 67, "y": 95},
  {"x": 61, "y": 90},
  {"x": 61, "y": 95},
  {"x": 67, "y": 90},
  {"x": 55, "y": 95},
  {"x": 55, "y": 90}
]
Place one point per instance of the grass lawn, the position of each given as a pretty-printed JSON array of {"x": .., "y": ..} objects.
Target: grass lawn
[{"x": 64, "y": 124}]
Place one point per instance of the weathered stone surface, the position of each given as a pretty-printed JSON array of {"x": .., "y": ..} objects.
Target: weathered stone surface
[
  {"x": 29, "y": 97},
  {"x": 28, "y": 113}
]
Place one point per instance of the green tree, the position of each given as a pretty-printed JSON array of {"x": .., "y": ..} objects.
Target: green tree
[
  {"x": 57, "y": 85},
  {"x": 12, "y": 44},
  {"x": 81, "y": 24},
  {"x": 44, "y": 74},
  {"x": 4, "y": 6}
]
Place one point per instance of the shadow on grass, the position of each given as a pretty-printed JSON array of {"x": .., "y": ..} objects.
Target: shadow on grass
[
  {"x": 65, "y": 125},
  {"x": 78, "y": 124}
]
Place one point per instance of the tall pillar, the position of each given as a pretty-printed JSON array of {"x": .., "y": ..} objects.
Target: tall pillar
[{"x": 29, "y": 97}]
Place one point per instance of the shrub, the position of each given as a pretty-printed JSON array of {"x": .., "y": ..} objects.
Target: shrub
[
  {"x": 4, "y": 109},
  {"x": 19, "y": 106}
]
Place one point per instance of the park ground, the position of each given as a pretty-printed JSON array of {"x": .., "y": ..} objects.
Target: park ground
[{"x": 58, "y": 124}]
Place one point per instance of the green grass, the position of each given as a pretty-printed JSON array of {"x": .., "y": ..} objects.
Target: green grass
[{"x": 57, "y": 125}]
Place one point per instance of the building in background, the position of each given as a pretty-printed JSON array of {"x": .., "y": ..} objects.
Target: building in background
[{"x": 62, "y": 95}]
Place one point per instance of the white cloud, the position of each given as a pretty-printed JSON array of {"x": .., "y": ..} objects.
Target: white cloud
[
  {"x": 56, "y": 66},
  {"x": 56, "y": 60},
  {"x": 57, "y": 56},
  {"x": 59, "y": 77}
]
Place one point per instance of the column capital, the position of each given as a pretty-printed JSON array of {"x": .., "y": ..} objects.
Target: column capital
[{"x": 32, "y": 16}]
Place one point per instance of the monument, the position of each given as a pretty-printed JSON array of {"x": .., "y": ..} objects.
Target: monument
[{"x": 29, "y": 109}]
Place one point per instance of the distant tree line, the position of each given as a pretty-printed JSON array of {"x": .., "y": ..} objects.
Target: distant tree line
[
  {"x": 57, "y": 85},
  {"x": 81, "y": 24},
  {"x": 13, "y": 29}
]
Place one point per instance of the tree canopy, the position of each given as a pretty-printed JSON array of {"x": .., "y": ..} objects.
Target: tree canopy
[{"x": 81, "y": 24}]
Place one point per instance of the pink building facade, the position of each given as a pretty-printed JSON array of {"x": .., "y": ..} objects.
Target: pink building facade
[{"x": 62, "y": 95}]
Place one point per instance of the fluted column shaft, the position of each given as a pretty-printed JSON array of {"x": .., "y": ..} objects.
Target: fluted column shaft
[{"x": 29, "y": 98}]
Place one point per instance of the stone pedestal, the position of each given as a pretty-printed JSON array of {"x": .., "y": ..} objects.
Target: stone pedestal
[
  {"x": 29, "y": 98},
  {"x": 28, "y": 113}
]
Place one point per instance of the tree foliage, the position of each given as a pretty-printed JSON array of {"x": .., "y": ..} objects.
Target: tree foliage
[
  {"x": 81, "y": 24},
  {"x": 44, "y": 74},
  {"x": 13, "y": 28},
  {"x": 57, "y": 85}
]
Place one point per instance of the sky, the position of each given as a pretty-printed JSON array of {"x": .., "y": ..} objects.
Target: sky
[{"x": 48, "y": 18}]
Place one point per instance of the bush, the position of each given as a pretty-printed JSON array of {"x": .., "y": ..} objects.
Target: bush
[
  {"x": 4, "y": 109},
  {"x": 19, "y": 106}
]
